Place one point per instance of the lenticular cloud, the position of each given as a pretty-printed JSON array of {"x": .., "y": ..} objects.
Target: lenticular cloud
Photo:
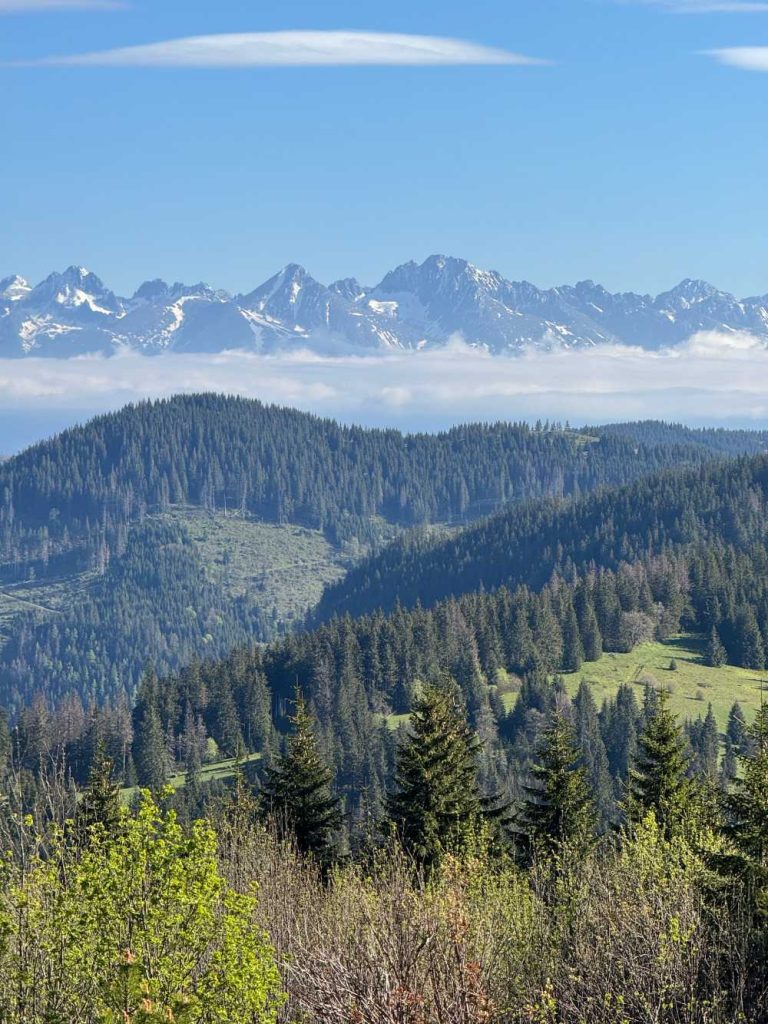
[
  {"x": 296, "y": 49},
  {"x": 746, "y": 58},
  {"x": 34, "y": 6}
]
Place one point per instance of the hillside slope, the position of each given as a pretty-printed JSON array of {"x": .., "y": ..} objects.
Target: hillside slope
[
  {"x": 173, "y": 530},
  {"x": 526, "y": 544}
]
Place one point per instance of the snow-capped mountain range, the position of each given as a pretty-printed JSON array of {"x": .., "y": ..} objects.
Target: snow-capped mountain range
[{"x": 416, "y": 306}]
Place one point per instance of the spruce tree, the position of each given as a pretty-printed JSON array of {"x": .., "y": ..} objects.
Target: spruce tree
[
  {"x": 297, "y": 793},
  {"x": 708, "y": 752},
  {"x": 619, "y": 723},
  {"x": 717, "y": 655},
  {"x": 149, "y": 742},
  {"x": 746, "y": 810},
  {"x": 737, "y": 731},
  {"x": 5, "y": 742},
  {"x": 658, "y": 782},
  {"x": 588, "y": 627},
  {"x": 573, "y": 649},
  {"x": 750, "y": 640},
  {"x": 436, "y": 802},
  {"x": 558, "y": 816},
  {"x": 594, "y": 757},
  {"x": 151, "y": 754},
  {"x": 99, "y": 804},
  {"x": 729, "y": 767}
]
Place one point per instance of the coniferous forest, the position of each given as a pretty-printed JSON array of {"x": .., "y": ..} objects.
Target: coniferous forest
[{"x": 412, "y": 807}]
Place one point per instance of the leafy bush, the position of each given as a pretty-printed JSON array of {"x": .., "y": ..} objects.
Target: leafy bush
[{"x": 137, "y": 926}]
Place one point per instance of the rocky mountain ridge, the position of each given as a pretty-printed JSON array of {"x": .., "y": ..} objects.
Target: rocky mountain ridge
[{"x": 415, "y": 306}]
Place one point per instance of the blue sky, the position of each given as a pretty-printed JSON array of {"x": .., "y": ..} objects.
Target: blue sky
[{"x": 635, "y": 158}]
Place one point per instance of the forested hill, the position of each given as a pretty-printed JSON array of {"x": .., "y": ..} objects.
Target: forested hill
[
  {"x": 712, "y": 439},
  {"x": 176, "y": 529},
  {"x": 69, "y": 501},
  {"x": 526, "y": 544},
  {"x": 360, "y": 676}
]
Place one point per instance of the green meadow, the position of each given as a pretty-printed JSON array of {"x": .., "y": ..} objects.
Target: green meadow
[{"x": 692, "y": 684}]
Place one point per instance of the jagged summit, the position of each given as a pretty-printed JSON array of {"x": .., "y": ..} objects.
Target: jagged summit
[
  {"x": 415, "y": 306},
  {"x": 14, "y": 288}
]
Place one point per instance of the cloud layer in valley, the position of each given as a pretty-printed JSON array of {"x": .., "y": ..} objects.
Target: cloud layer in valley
[
  {"x": 712, "y": 378},
  {"x": 295, "y": 49}
]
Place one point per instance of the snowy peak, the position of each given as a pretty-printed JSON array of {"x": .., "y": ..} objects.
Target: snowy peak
[
  {"x": 151, "y": 291},
  {"x": 74, "y": 288},
  {"x": 349, "y": 288},
  {"x": 14, "y": 288},
  {"x": 292, "y": 297},
  {"x": 415, "y": 306},
  {"x": 284, "y": 287},
  {"x": 690, "y": 293},
  {"x": 439, "y": 275}
]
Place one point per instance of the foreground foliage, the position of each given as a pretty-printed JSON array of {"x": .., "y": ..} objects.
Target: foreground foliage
[
  {"x": 136, "y": 925},
  {"x": 631, "y": 934},
  {"x": 134, "y": 919}
]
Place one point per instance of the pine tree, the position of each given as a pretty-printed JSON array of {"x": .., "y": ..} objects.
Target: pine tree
[
  {"x": 746, "y": 811},
  {"x": 297, "y": 791},
  {"x": 436, "y": 802},
  {"x": 658, "y": 781},
  {"x": 717, "y": 655},
  {"x": 558, "y": 815}
]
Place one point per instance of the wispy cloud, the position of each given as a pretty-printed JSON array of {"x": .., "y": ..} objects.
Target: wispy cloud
[
  {"x": 295, "y": 49},
  {"x": 705, "y": 6},
  {"x": 33, "y": 6},
  {"x": 747, "y": 58},
  {"x": 713, "y": 377}
]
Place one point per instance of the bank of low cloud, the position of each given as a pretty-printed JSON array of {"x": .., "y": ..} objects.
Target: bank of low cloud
[{"x": 712, "y": 378}]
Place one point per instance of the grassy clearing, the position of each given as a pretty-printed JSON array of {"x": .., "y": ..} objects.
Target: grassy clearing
[
  {"x": 281, "y": 568},
  {"x": 216, "y": 770},
  {"x": 692, "y": 685},
  {"x": 581, "y": 440}
]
